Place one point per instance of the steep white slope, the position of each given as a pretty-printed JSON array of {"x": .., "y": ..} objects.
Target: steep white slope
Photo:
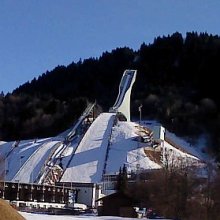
[{"x": 88, "y": 162}]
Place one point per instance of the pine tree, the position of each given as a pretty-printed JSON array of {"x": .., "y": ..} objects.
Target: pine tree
[{"x": 122, "y": 180}]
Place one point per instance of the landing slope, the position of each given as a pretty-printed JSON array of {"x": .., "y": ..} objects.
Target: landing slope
[{"x": 88, "y": 162}]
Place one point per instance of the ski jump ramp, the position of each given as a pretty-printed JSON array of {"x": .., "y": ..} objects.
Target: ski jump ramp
[
  {"x": 122, "y": 103},
  {"x": 90, "y": 158}
]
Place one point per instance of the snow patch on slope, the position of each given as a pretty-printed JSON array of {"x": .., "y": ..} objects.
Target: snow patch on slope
[{"x": 124, "y": 149}]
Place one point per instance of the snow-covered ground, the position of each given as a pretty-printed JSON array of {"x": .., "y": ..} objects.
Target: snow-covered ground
[
  {"x": 30, "y": 216},
  {"x": 195, "y": 149},
  {"x": 125, "y": 149}
]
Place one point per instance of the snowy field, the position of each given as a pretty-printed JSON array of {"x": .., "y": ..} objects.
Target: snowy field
[{"x": 30, "y": 216}]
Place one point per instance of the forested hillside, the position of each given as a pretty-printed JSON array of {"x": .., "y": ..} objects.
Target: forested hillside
[{"x": 177, "y": 84}]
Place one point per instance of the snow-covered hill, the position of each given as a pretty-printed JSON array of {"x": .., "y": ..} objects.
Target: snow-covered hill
[{"x": 106, "y": 146}]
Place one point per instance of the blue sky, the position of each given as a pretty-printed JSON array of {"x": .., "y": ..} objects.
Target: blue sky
[{"x": 38, "y": 35}]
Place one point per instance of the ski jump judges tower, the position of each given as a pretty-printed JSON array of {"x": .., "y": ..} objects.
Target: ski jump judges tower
[{"x": 122, "y": 103}]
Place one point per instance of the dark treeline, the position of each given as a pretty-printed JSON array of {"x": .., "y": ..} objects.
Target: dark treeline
[
  {"x": 177, "y": 84},
  {"x": 176, "y": 193}
]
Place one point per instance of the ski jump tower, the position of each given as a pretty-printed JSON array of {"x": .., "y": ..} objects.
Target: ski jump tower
[{"x": 122, "y": 103}]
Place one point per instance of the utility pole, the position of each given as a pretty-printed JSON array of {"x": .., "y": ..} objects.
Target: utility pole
[
  {"x": 32, "y": 187},
  {"x": 5, "y": 173},
  {"x": 138, "y": 165},
  {"x": 18, "y": 192},
  {"x": 139, "y": 109}
]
